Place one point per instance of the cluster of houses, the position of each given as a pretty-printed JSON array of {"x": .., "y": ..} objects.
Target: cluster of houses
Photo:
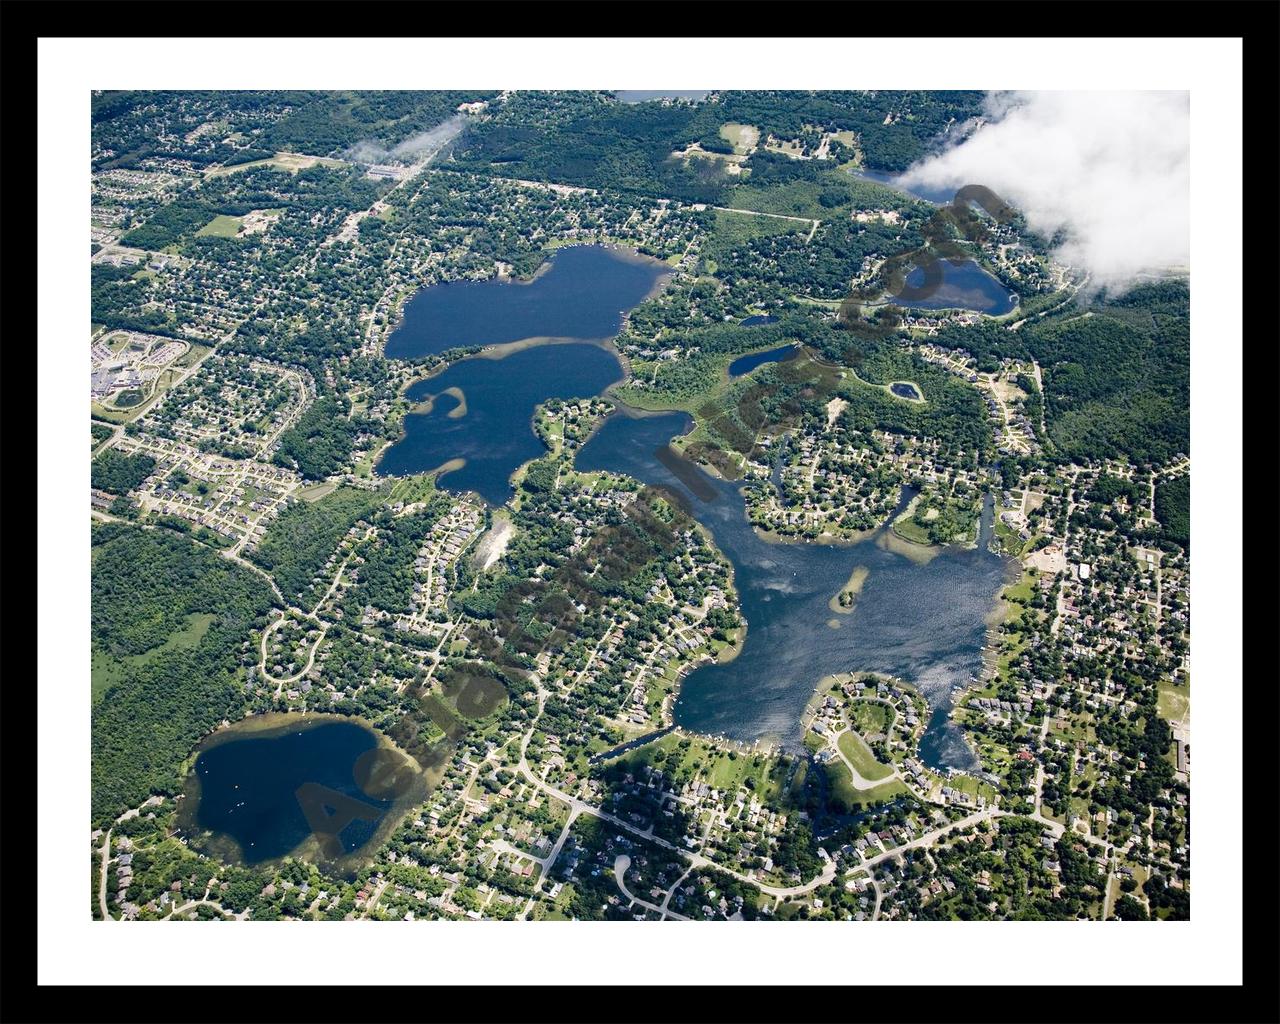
[
  {"x": 825, "y": 486},
  {"x": 448, "y": 539}
]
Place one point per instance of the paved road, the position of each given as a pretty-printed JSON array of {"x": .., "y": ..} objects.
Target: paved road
[
  {"x": 102, "y": 878},
  {"x": 620, "y": 865},
  {"x": 932, "y": 836},
  {"x": 860, "y": 781},
  {"x": 697, "y": 860}
]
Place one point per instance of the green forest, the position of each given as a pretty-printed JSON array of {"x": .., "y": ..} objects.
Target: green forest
[
  {"x": 590, "y": 139},
  {"x": 1173, "y": 509},
  {"x": 117, "y": 473},
  {"x": 320, "y": 442},
  {"x": 1116, "y": 371},
  {"x": 146, "y": 583},
  {"x": 302, "y": 538}
]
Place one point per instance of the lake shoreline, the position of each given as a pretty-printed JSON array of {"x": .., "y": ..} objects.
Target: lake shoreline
[{"x": 272, "y": 725}]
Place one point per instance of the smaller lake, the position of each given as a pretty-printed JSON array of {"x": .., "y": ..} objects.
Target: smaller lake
[
  {"x": 756, "y": 321},
  {"x": 966, "y": 286},
  {"x": 481, "y": 418},
  {"x": 746, "y": 364},
  {"x": 266, "y": 783},
  {"x": 905, "y": 390},
  {"x": 582, "y": 292}
]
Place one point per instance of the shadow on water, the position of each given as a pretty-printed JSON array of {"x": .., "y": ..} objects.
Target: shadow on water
[{"x": 323, "y": 788}]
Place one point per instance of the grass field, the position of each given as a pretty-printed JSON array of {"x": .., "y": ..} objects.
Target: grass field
[
  {"x": 191, "y": 356},
  {"x": 222, "y": 226},
  {"x": 1017, "y": 596},
  {"x": 102, "y": 412},
  {"x": 107, "y": 670},
  {"x": 860, "y": 756},
  {"x": 842, "y": 788},
  {"x": 317, "y": 491},
  {"x": 722, "y": 769},
  {"x": 871, "y": 716},
  {"x": 1008, "y": 537},
  {"x": 743, "y": 137},
  {"x": 905, "y": 528},
  {"x": 974, "y": 787},
  {"x": 1173, "y": 702},
  {"x": 733, "y": 230},
  {"x": 292, "y": 162}
]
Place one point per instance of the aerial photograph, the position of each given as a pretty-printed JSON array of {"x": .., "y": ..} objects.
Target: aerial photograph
[{"x": 668, "y": 505}]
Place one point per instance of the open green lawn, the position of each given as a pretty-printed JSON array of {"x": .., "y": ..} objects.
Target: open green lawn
[
  {"x": 905, "y": 528},
  {"x": 724, "y": 770},
  {"x": 860, "y": 756},
  {"x": 317, "y": 491},
  {"x": 191, "y": 356},
  {"x": 870, "y": 717},
  {"x": 1008, "y": 537},
  {"x": 1173, "y": 702},
  {"x": 106, "y": 670},
  {"x": 974, "y": 787},
  {"x": 842, "y": 788},
  {"x": 1017, "y": 596},
  {"x": 221, "y": 226}
]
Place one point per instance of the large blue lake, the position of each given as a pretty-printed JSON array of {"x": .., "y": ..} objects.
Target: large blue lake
[
  {"x": 582, "y": 292},
  {"x": 254, "y": 787},
  {"x": 487, "y": 420},
  {"x": 924, "y": 623}
]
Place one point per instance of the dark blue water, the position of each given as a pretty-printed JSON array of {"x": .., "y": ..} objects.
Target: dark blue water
[
  {"x": 756, "y": 321},
  {"x": 495, "y": 436},
  {"x": 966, "y": 286},
  {"x": 248, "y": 787},
  {"x": 903, "y": 390},
  {"x": 922, "y": 623},
  {"x": 746, "y": 364},
  {"x": 582, "y": 294}
]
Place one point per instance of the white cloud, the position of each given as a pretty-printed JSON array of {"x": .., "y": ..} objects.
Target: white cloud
[
  {"x": 371, "y": 151},
  {"x": 1111, "y": 168}
]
